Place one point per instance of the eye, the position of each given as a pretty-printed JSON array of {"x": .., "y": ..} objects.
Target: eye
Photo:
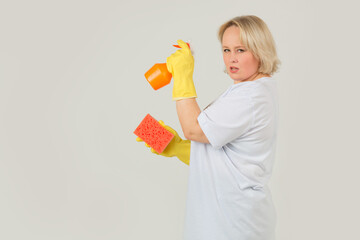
[
  {"x": 226, "y": 50},
  {"x": 241, "y": 50}
]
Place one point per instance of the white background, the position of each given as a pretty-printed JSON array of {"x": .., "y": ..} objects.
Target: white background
[{"x": 72, "y": 91}]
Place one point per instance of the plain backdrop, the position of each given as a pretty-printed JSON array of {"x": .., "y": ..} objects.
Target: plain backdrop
[{"x": 72, "y": 91}]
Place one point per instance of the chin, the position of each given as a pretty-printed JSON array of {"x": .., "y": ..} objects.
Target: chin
[{"x": 236, "y": 78}]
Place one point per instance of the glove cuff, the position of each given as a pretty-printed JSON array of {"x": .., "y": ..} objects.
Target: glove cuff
[
  {"x": 184, "y": 152},
  {"x": 183, "y": 88}
]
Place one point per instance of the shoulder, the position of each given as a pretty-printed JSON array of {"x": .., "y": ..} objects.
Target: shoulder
[{"x": 257, "y": 88}]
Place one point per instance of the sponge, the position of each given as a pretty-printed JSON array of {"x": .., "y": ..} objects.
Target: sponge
[{"x": 152, "y": 133}]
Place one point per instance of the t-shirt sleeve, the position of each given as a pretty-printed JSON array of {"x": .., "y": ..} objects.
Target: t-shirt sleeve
[{"x": 226, "y": 119}]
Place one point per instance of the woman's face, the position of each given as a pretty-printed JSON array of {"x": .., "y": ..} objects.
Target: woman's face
[{"x": 240, "y": 63}]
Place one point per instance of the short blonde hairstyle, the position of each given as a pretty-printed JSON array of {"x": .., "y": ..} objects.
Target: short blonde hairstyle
[{"x": 257, "y": 38}]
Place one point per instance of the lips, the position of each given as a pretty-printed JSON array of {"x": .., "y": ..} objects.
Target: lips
[{"x": 233, "y": 69}]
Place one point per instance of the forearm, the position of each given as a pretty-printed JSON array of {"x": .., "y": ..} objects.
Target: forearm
[{"x": 188, "y": 111}]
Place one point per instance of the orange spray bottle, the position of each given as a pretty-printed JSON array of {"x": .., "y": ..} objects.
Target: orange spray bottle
[{"x": 158, "y": 76}]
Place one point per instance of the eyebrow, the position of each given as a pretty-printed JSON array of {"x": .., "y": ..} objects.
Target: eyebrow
[{"x": 235, "y": 46}]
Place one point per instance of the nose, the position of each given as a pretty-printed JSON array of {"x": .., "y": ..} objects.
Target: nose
[{"x": 233, "y": 58}]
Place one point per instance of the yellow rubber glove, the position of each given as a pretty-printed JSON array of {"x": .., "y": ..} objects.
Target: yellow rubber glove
[
  {"x": 176, "y": 148},
  {"x": 181, "y": 65}
]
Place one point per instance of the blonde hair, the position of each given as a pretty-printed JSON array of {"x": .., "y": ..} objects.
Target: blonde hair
[{"x": 257, "y": 38}]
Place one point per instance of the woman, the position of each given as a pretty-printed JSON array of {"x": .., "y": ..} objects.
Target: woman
[{"x": 231, "y": 143}]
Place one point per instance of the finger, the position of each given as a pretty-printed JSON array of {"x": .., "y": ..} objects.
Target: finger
[
  {"x": 139, "y": 139},
  {"x": 168, "y": 64},
  {"x": 153, "y": 151},
  {"x": 177, "y": 46},
  {"x": 183, "y": 44},
  {"x": 167, "y": 127}
]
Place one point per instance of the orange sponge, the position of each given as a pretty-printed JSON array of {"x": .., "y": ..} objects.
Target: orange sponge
[{"x": 152, "y": 133}]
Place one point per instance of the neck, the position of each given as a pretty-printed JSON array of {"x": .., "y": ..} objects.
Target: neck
[{"x": 253, "y": 77}]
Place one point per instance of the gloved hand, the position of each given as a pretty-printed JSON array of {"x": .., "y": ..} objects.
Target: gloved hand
[
  {"x": 181, "y": 65},
  {"x": 177, "y": 147}
]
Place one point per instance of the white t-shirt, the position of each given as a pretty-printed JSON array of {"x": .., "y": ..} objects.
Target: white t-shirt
[{"x": 228, "y": 197}]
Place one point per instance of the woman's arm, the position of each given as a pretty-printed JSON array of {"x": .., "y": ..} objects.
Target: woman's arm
[{"x": 188, "y": 111}]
